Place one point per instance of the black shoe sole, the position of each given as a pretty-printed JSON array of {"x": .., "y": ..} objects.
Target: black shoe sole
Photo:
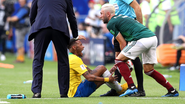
[
  {"x": 36, "y": 95},
  {"x": 63, "y": 96},
  {"x": 109, "y": 94},
  {"x": 142, "y": 94}
]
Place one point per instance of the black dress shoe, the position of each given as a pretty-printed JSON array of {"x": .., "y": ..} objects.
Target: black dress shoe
[
  {"x": 63, "y": 96},
  {"x": 138, "y": 94},
  {"x": 36, "y": 95},
  {"x": 110, "y": 93}
]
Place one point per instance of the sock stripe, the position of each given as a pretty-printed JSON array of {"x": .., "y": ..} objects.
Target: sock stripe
[
  {"x": 149, "y": 72},
  {"x": 118, "y": 61}
]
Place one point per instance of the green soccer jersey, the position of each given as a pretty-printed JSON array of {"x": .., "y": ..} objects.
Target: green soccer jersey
[{"x": 130, "y": 29}]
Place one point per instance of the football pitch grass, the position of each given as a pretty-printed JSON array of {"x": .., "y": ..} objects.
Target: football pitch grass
[{"x": 11, "y": 82}]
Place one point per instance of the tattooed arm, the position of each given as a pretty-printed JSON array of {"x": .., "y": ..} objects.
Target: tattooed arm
[
  {"x": 91, "y": 77},
  {"x": 89, "y": 70}
]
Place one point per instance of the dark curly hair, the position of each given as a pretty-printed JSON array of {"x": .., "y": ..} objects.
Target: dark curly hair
[{"x": 71, "y": 43}]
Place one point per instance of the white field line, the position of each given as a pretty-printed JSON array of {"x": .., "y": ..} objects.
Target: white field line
[
  {"x": 3, "y": 102},
  {"x": 47, "y": 98},
  {"x": 161, "y": 98},
  {"x": 125, "y": 98}
]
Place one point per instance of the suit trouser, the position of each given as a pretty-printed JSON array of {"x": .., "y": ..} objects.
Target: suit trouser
[
  {"x": 41, "y": 42},
  {"x": 2, "y": 39}
]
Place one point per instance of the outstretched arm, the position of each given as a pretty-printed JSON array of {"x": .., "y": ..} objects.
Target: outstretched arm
[
  {"x": 91, "y": 77},
  {"x": 121, "y": 41},
  {"x": 72, "y": 18},
  {"x": 137, "y": 10}
]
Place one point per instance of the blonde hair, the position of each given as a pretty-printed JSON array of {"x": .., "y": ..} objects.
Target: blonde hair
[{"x": 109, "y": 7}]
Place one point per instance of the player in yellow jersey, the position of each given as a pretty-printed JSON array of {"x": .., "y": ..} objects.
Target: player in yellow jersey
[{"x": 93, "y": 78}]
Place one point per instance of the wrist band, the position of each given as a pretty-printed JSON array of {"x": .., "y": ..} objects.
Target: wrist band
[
  {"x": 76, "y": 38},
  {"x": 106, "y": 79}
]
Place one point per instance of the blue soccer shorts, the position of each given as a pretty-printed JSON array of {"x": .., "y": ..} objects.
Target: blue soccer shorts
[{"x": 85, "y": 89}]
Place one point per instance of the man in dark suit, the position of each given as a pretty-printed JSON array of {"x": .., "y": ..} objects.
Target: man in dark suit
[{"x": 48, "y": 23}]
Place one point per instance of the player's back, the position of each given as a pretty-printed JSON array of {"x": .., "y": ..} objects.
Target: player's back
[{"x": 131, "y": 29}]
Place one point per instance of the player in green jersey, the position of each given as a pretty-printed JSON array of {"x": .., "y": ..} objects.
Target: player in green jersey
[{"x": 141, "y": 41}]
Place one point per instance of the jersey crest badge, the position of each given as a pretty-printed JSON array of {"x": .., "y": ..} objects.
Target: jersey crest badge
[
  {"x": 82, "y": 67},
  {"x": 112, "y": 32}
]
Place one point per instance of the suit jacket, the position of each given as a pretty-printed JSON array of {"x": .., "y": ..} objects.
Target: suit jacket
[{"x": 52, "y": 13}]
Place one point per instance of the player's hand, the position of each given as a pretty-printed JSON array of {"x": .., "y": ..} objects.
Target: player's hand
[
  {"x": 111, "y": 78},
  {"x": 8, "y": 19},
  {"x": 116, "y": 77},
  {"x": 81, "y": 37},
  {"x": 113, "y": 69}
]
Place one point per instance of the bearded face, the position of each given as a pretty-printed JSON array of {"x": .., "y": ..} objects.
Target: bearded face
[
  {"x": 105, "y": 19},
  {"x": 104, "y": 16}
]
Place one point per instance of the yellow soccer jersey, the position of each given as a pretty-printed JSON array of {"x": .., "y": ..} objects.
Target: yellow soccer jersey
[{"x": 77, "y": 68}]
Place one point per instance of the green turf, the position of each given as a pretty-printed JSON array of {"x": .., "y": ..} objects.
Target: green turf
[{"x": 11, "y": 82}]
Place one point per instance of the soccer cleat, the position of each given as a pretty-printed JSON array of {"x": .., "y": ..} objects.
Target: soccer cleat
[
  {"x": 138, "y": 94},
  {"x": 129, "y": 92},
  {"x": 36, "y": 95},
  {"x": 173, "y": 93},
  {"x": 124, "y": 88},
  {"x": 110, "y": 93}
]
